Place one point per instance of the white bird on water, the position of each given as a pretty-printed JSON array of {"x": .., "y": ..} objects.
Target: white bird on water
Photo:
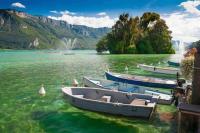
[
  {"x": 42, "y": 91},
  {"x": 75, "y": 83},
  {"x": 107, "y": 68},
  {"x": 126, "y": 69}
]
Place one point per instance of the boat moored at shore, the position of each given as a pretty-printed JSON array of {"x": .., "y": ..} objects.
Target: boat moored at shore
[
  {"x": 112, "y": 102},
  {"x": 164, "y": 98},
  {"x": 157, "y": 69},
  {"x": 172, "y": 63},
  {"x": 141, "y": 80}
]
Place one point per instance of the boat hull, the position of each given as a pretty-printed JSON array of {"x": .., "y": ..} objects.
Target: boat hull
[
  {"x": 164, "y": 98},
  {"x": 159, "y": 69},
  {"x": 112, "y": 77},
  {"x": 171, "y": 63},
  {"x": 110, "y": 108}
]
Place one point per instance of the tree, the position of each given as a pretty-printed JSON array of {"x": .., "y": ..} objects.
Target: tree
[
  {"x": 147, "y": 35},
  {"x": 186, "y": 67},
  {"x": 101, "y": 45},
  {"x": 144, "y": 47},
  {"x": 147, "y": 18},
  {"x": 120, "y": 34},
  {"x": 160, "y": 38}
]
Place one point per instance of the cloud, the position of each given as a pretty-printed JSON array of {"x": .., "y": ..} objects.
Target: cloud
[
  {"x": 54, "y": 11},
  {"x": 67, "y": 12},
  {"x": 183, "y": 27},
  {"x": 185, "y": 24},
  {"x": 95, "y": 22},
  {"x": 191, "y": 6},
  {"x": 19, "y": 5},
  {"x": 63, "y": 12},
  {"x": 102, "y": 14}
]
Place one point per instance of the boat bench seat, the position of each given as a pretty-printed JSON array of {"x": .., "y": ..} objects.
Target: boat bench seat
[
  {"x": 105, "y": 99},
  {"x": 79, "y": 96},
  {"x": 137, "y": 101}
]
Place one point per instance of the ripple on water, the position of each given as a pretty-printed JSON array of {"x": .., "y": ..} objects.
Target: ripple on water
[{"x": 23, "y": 110}]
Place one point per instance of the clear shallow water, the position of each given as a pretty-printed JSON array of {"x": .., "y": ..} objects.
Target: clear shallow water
[{"x": 23, "y": 110}]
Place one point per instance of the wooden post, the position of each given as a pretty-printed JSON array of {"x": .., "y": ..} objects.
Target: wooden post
[
  {"x": 196, "y": 77},
  {"x": 198, "y": 125},
  {"x": 179, "y": 121},
  {"x": 196, "y": 83},
  {"x": 188, "y": 118}
]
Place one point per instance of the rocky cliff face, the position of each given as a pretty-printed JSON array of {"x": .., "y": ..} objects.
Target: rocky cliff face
[
  {"x": 17, "y": 13},
  {"x": 1, "y": 21},
  {"x": 19, "y": 30},
  {"x": 34, "y": 44}
]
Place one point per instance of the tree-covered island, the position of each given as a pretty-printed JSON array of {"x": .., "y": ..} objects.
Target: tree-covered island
[{"x": 147, "y": 34}]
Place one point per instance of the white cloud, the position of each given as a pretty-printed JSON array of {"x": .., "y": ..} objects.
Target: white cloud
[
  {"x": 54, "y": 11},
  {"x": 191, "y": 6},
  {"x": 95, "y": 22},
  {"x": 19, "y": 5},
  {"x": 63, "y": 12},
  {"x": 102, "y": 14},
  {"x": 185, "y": 24},
  {"x": 67, "y": 12}
]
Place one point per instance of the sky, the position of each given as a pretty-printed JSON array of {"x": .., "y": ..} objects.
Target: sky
[{"x": 182, "y": 16}]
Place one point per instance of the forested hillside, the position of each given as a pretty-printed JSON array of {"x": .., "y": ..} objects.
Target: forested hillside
[{"x": 19, "y": 30}]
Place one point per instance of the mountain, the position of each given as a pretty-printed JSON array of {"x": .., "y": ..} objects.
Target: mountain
[{"x": 19, "y": 30}]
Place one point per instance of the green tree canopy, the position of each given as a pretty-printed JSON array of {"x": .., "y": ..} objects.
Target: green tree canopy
[
  {"x": 101, "y": 45},
  {"x": 147, "y": 34}
]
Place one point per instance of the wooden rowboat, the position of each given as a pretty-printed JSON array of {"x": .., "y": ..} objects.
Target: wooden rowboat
[
  {"x": 172, "y": 63},
  {"x": 164, "y": 98},
  {"x": 156, "y": 69},
  {"x": 141, "y": 80},
  {"x": 112, "y": 102}
]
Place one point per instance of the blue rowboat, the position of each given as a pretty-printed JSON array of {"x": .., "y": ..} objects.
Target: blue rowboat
[
  {"x": 171, "y": 63},
  {"x": 141, "y": 80}
]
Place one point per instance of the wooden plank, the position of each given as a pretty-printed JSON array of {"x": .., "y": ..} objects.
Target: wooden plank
[
  {"x": 191, "y": 113},
  {"x": 189, "y": 108},
  {"x": 179, "y": 122}
]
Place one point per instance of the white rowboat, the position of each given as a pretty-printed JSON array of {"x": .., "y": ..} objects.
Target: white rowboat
[
  {"x": 164, "y": 98},
  {"x": 111, "y": 102},
  {"x": 156, "y": 69}
]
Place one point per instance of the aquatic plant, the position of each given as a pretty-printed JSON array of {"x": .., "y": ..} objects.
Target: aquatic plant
[{"x": 186, "y": 67}]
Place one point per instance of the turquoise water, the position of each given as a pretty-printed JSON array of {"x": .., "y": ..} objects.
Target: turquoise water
[{"x": 22, "y": 110}]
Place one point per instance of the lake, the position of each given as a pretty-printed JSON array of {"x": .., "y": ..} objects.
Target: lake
[{"x": 22, "y": 110}]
